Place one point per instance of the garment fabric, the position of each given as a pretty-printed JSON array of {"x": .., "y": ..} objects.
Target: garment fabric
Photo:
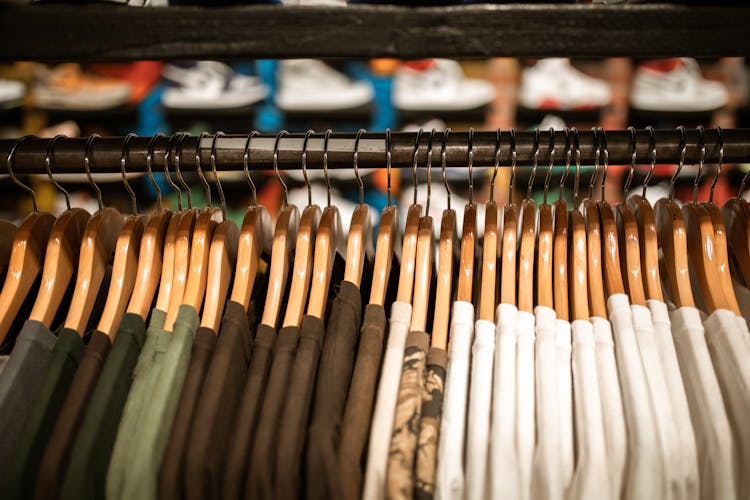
[
  {"x": 260, "y": 472},
  {"x": 742, "y": 293},
  {"x": 610, "y": 395},
  {"x": 385, "y": 403},
  {"x": 591, "y": 476},
  {"x": 713, "y": 433},
  {"x": 21, "y": 471},
  {"x": 565, "y": 398},
  {"x": 3, "y": 360},
  {"x": 172, "y": 470},
  {"x": 547, "y": 482},
  {"x": 331, "y": 389},
  {"x": 644, "y": 472},
  {"x": 214, "y": 420},
  {"x": 688, "y": 455},
  {"x": 450, "y": 463},
  {"x": 405, "y": 434},
  {"x": 145, "y": 376},
  {"x": 480, "y": 402},
  {"x": 289, "y": 480},
  {"x": 21, "y": 380},
  {"x": 504, "y": 475},
  {"x": 360, "y": 401},
  {"x": 730, "y": 354},
  {"x": 525, "y": 400},
  {"x": 429, "y": 423}
]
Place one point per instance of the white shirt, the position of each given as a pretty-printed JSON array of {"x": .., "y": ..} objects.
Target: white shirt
[
  {"x": 480, "y": 401},
  {"x": 449, "y": 476},
  {"x": 644, "y": 474},
  {"x": 713, "y": 435},
  {"x": 611, "y": 399},
  {"x": 565, "y": 398},
  {"x": 672, "y": 467},
  {"x": 678, "y": 398},
  {"x": 731, "y": 359},
  {"x": 546, "y": 483},
  {"x": 504, "y": 472},
  {"x": 385, "y": 404},
  {"x": 591, "y": 477},
  {"x": 525, "y": 401}
]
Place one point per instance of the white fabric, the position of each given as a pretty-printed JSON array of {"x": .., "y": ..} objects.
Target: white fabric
[
  {"x": 504, "y": 473},
  {"x": 525, "y": 401},
  {"x": 644, "y": 474},
  {"x": 565, "y": 398},
  {"x": 611, "y": 399},
  {"x": 449, "y": 477},
  {"x": 713, "y": 435},
  {"x": 480, "y": 400},
  {"x": 731, "y": 359},
  {"x": 591, "y": 478},
  {"x": 676, "y": 389},
  {"x": 385, "y": 405},
  {"x": 546, "y": 483},
  {"x": 672, "y": 467}
]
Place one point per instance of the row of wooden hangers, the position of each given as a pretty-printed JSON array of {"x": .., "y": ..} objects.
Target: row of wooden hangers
[{"x": 566, "y": 258}]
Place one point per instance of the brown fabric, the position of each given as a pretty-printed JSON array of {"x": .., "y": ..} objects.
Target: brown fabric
[
  {"x": 172, "y": 471},
  {"x": 401, "y": 456},
  {"x": 359, "y": 404},
  {"x": 242, "y": 435},
  {"x": 54, "y": 461},
  {"x": 429, "y": 425},
  {"x": 294, "y": 419},
  {"x": 260, "y": 472}
]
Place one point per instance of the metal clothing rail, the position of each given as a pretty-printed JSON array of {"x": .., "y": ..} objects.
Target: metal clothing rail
[{"x": 105, "y": 154}]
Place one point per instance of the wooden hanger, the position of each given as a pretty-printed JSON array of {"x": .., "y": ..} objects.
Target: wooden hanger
[
  {"x": 560, "y": 259},
  {"x": 221, "y": 263},
  {"x": 596, "y": 293},
  {"x": 509, "y": 247},
  {"x": 526, "y": 284},
  {"x": 487, "y": 297},
  {"x": 737, "y": 221},
  {"x": 702, "y": 251},
  {"x": 544, "y": 246},
  {"x": 422, "y": 275},
  {"x": 326, "y": 242},
  {"x": 579, "y": 282},
  {"x": 151, "y": 255},
  {"x": 465, "y": 289},
  {"x": 359, "y": 241},
  {"x": 7, "y": 234}
]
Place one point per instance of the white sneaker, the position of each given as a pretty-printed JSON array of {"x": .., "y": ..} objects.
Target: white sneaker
[
  {"x": 441, "y": 87},
  {"x": 312, "y": 85},
  {"x": 682, "y": 89},
  {"x": 11, "y": 91},
  {"x": 554, "y": 84},
  {"x": 210, "y": 85}
]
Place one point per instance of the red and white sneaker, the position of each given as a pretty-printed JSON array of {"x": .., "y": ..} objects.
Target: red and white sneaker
[{"x": 554, "y": 84}]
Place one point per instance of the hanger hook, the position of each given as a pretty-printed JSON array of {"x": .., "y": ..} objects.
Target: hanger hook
[
  {"x": 566, "y": 171},
  {"x": 325, "y": 166},
  {"x": 652, "y": 149},
  {"x": 513, "y": 158},
  {"x": 388, "y": 164},
  {"x": 633, "y": 159},
  {"x": 720, "y": 139},
  {"x": 683, "y": 151},
  {"x": 167, "y": 176},
  {"x": 48, "y": 165},
  {"x": 443, "y": 162},
  {"x": 150, "y": 173},
  {"x": 414, "y": 163},
  {"x": 597, "y": 156},
  {"x": 429, "y": 171},
  {"x": 123, "y": 161},
  {"x": 9, "y": 164},
  {"x": 471, "y": 166},
  {"x": 276, "y": 166},
  {"x": 548, "y": 177},
  {"x": 304, "y": 166},
  {"x": 701, "y": 161},
  {"x": 87, "y": 166},
  {"x": 199, "y": 168},
  {"x": 534, "y": 163},
  {"x": 606, "y": 161},
  {"x": 497, "y": 164},
  {"x": 178, "y": 169},
  {"x": 356, "y": 166},
  {"x": 246, "y": 168},
  {"x": 219, "y": 189},
  {"x": 577, "y": 180}
]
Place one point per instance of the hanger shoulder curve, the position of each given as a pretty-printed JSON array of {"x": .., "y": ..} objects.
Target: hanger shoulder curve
[
  {"x": 255, "y": 233},
  {"x": 631, "y": 252},
  {"x": 447, "y": 243},
  {"x": 610, "y": 250},
  {"x": 302, "y": 268},
  {"x": 221, "y": 262},
  {"x": 150, "y": 260},
  {"x": 358, "y": 244},
  {"x": 422, "y": 275},
  {"x": 284, "y": 235},
  {"x": 326, "y": 242},
  {"x": 525, "y": 259},
  {"x": 649, "y": 244},
  {"x": 579, "y": 301},
  {"x": 168, "y": 261},
  {"x": 596, "y": 293},
  {"x": 467, "y": 255},
  {"x": 544, "y": 248},
  {"x": 408, "y": 254},
  {"x": 673, "y": 244},
  {"x": 736, "y": 219},
  {"x": 387, "y": 243},
  {"x": 489, "y": 263},
  {"x": 182, "y": 261},
  {"x": 200, "y": 251},
  {"x": 701, "y": 246},
  {"x": 509, "y": 253},
  {"x": 560, "y": 259},
  {"x": 722, "y": 256}
]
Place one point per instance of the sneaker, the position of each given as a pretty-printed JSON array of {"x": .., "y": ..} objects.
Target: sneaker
[
  {"x": 680, "y": 89},
  {"x": 554, "y": 84},
  {"x": 11, "y": 92},
  {"x": 209, "y": 85},
  {"x": 67, "y": 87},
  {"x": 310, "y": 85},
  {"x": 442, "y": 86}
]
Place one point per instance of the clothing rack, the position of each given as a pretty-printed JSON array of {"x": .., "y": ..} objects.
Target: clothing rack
[{"x": 105, "y": 155}]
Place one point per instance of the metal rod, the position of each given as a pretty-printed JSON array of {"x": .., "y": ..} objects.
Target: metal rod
[{"x": 106, "y": 152}]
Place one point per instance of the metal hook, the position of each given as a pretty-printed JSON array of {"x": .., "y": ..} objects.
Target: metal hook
[
  {"x": 633, "y": 157},
  {"x": 219, "y": 189},
  {"x": 606, "y": 161},
  {"x": 48, "y": 165},
  {"x": 443, "y": 162},
  {"x": 652, "y": 148},
  {"x": 497, "y": 164},
  {"x": 87, "y": 166},
  {"x": 276, "y": 167},
  {"x": 246, "y": 167},
  {"x": 429, "y": 171},
  {"x": 178, "y": 169},
  {"x": 548, "y": 178},
  {"x": 701, "y": 161},
  {"x": 304, "y": 166},
  {"x": 513, "y": 157},
  {"x": 566, "y": 171},
  {"x": 325, "y": 166},
  {"x": 532, "y": 177},
  {"x": 577, "y": 180},
  {"x": 683, "y": 151},
  {"x": 9, "y": 164},
  {"x": 388, "y": 165},
  {"x": 597, "y": 156},
  {"x": 720, "y": 139},
  {"x": 123, "y": 160},
  {"x": 471, "y": 166},
  {"x": 199, "y": 169},
  {"x": 167, "y": 176},
  {"x": 356, "y": 166},
  {"x": 414, "y": 163},
  {"x": 150, "y": 173}
]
